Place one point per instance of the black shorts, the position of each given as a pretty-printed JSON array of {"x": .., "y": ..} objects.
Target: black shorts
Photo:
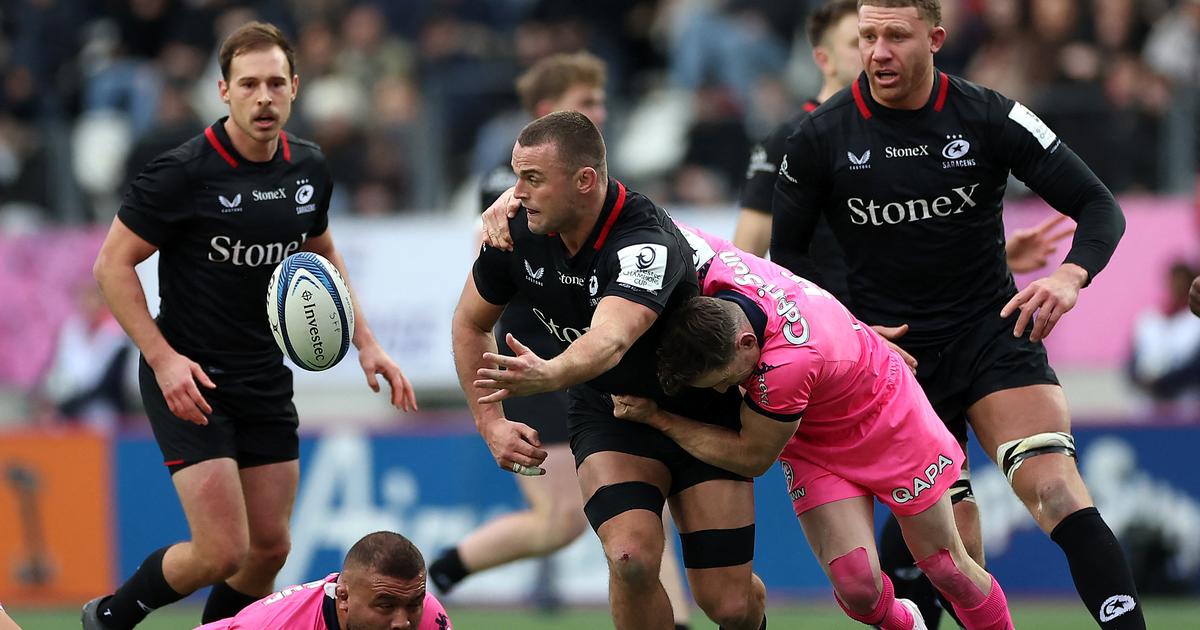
[
  {"x": 594, "y": 429},
  {"x": 547, "y": 413},
  {"x": 984, "y": 359},
  {"x": 253, "y": 421}
]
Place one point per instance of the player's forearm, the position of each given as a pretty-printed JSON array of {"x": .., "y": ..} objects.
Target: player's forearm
[
  {"x": 753, "y": 232},
  {"x": 593, "y": 354},
  {"x": 122, "y": 290},
  {"x": 716, "y": 445},
  {"x": 1074, "y": 190},
  {"x": 469, "y": 342}
]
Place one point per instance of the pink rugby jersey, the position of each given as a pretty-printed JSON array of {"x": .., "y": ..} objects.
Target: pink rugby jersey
[
  {"x": 311, "y": 607},
  {"x": 818, "y": 361}
]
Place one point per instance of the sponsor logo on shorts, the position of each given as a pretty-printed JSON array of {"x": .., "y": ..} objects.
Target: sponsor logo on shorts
[
  {"x": 921, "y": 484},
  {"x": 1116, "y": 606},
  {"x": 790, "y": 478}
]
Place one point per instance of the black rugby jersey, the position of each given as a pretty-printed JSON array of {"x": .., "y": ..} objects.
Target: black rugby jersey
[
  {"x": 916, "y": 198},
  {"x": 759, "y": 189},
  {"x": 222, "y": 223},
  {"x": 634, "y": 252}
]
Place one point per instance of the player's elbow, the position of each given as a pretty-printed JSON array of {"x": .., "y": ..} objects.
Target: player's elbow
[{"x": 753, "y": 464}]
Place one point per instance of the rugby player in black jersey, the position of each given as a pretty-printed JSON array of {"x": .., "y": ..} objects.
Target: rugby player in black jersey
[
  {"x": 222, "y": 210},
  {"x": 600, "y": 263},
  {"x": 561, "y": 82},
  {"x": 909, "y": 167}
]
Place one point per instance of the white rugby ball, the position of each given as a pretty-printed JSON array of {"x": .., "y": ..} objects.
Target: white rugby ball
[{"x": 310, "y": 311}]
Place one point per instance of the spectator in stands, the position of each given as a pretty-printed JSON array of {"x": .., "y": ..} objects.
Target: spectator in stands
[{"x": 1165, "y": 357}]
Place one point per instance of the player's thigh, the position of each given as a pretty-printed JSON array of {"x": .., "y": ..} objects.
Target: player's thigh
[
  {"x": 555, "y": 493},
  {"x": 213, "y": 503},
  {"x": 714, "y": 504},
  {"x": 932, "y": 530},
  {"x": 609, "y": 468},
  {"x": 270, "y": 491},
  {"x": 1019, "y": 412},
  {"x": 837, "y": 528},
  {"x": 715, "y": 520}
]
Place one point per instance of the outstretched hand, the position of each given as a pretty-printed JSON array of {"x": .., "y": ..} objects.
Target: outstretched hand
[
  {"x": 520, "y": 375},
  {"x": 1028, "y": 249},
  {"x": 1049, "y": 298},
  {"x": 375, "y": 361},
  {"x": 890, "y": 334}
]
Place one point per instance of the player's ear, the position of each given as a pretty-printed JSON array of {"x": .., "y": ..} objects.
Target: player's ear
[
  {"x": 747, "y": 340},
  {"x": 295, "y": 85},
  {"x": 223, "y": 90},
  {"x": 820, "y": 56},
  {"x": 587, "y": 179},
  {"x": 937, "y": 38}
]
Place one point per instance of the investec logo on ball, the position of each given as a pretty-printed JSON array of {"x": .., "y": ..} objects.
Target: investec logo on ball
[
  {"x": 227, "y": 250},
  {"x": 869, "y": 211}
]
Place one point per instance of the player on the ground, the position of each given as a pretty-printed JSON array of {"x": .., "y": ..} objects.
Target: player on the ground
[
  {"x": 222, "y": 210},
  {"x": 563, "y": 82},
  {"x": 838, "y": 407},
  {"x": 909, "y": 167},
  {"x": 600, "y": 263},
  {"x": 381, "y": 587}
]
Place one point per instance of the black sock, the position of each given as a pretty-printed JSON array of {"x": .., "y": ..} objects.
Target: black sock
[
  {"x": 1100, "y": 570},
  {"x": 447, "y": 571},
  {"x": 682, "y": 626},
  {"x": 143, "y": 592},
  {"x": 762, "y": 627},
  {"x": 224, "y": 601}
]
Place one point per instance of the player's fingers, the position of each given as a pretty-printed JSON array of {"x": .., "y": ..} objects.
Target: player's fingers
[
  {"x": 1013, "y": 304},
  {"x": 1027, "y": 311},
  {"x": 192, "y": 393},
  {"x": 498, "y": 376},
  {"x": 530, "y": 434},
  {"x": 1061, "y": 234},
  {"x": 494, "y": 397},
  {"x": 521, "y": 469},
  {"x": 192, "y": 410},
  {"x": 517, "y": 346},
  {"x": 525, "y": 453},
  {"x": 1048, "y": 223},
  {"x": 909, "y": 359},
  {"x": 372, "y": 380},
  {"x": 502, "y": 360},
  {"x": 1048, "y": 321},
  {"x": 201, "y": 377}
]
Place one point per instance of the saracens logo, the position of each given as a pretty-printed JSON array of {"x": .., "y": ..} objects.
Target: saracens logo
[
  {"x": 304, "y": 195},
  {"x": 955, "y": 150}
]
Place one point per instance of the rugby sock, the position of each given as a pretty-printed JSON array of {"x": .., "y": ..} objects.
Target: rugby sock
[
  {"x": 448, "y": 570},
  {"x": 889, "y": 613},
  {"x": 908, "y": 580},
  {"x": 991, "y": 614},
  {"x": 685, "y": 626},
  {"x": 1100, "y": 570},
  {"x": 682, "y": 626},
  {"x": 144, "y": 591},
  {"x": 224, "y": 601}
]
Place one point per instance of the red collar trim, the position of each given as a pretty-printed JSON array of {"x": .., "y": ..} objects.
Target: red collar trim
[
  {"x": 859, "y": 100},
  {"x": 287, "y": 148},
  {"x": 943, "y": 88},
  {"x": 612, "y": 217},
  {"x": 216, "y": 144}
]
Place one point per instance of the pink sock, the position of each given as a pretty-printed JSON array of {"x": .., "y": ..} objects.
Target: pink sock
[
  {"x": 992, "y": 614},
  {"x": 889, "y": 614}
]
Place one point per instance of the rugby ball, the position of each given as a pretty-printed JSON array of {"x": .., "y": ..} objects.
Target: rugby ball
[{"x": 310, "y": 312}]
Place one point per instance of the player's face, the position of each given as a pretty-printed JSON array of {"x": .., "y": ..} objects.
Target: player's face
[
  {"x": 732, "y": 374},
  {"x": 587, "y": 100},
  {"x": 545, "y": 188},
  {"x": 376, "y": 602},
  {"x": 844, "y": 61},
  {"x": 260, "y": 92},
  {"x": 897, "y": 48}
]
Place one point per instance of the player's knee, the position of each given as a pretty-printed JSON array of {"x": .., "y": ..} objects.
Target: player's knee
[
  {"x": 943, "y": 571},
  {"x": 270, "y": 557},
  {"x": 1055, "y": 497},
  {"x": 727, "y": 607},
  {"x": 854, "y": 581},
  {"x": 634, "y": 559},
  {"x": 222, "y": 563}
]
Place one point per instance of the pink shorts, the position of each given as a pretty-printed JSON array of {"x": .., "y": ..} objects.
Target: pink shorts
[{"x": 897, "y": 449}]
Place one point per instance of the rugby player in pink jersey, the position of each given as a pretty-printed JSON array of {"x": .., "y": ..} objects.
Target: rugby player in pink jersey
[
  {"x": 381, "y": 587},
  {"x": 868, "y": 430}
]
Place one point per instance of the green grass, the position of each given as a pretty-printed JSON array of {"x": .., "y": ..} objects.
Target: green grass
[{"x": 1174, "y": 614}]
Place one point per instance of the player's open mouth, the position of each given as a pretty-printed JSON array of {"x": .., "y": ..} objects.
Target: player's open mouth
[
  {"x": 265, "y": 121},
  {"x": 886, "y": 77}
]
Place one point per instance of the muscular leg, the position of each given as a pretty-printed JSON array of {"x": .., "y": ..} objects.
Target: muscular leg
[
  {"x": 932, "y": 536},
  {"x": 731, "y": 595},
  {"x": 842, "y": 538},
  {"x": 270, "y": 492},
  {"x": 1050, "y": 487},
  {"x": 672, "y": 579},
  {"x": 632, "y": 539}
]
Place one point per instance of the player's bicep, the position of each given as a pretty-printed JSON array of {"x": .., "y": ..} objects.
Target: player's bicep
[
  {"x": 122, "y": 246},
  {"x": 475, "y": 311},
  {"x": 765, "y": 436}
]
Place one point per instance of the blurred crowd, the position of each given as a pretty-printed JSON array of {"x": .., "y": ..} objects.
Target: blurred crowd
[{"x": 413, "y": 99}]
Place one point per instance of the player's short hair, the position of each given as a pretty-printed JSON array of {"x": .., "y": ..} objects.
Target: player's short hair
[
  {"x": 254, "y": 36},
  {"x": 386, "y": 553},
  {"x": 551, "y": 77},
  {"x": 697, "y": 338},
  {"x": 822, "y": 19},
  {"x": 929, "y": 10},
  {"x": 578, "y": 140}
]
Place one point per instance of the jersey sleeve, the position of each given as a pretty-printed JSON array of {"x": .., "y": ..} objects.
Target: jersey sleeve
[
  {"x": 493, "y": 278},
  {"x": 435, "y": 617},
  {"x": 321, "y": 222},
  {"x": 1039, "y": 158},
  {"x": 763, "y": 168},
  {"x": 801, "y": 190},
  {"x": 781, "y": 390},
  {"x": 644, "y": 266},
  {"x": 158, "y": 202}
]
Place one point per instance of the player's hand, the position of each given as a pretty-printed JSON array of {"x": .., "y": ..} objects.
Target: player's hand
[
  {"x": 1194, "y": 297},
  {"x": 495, "y": 220},
  {"x": 515, "y": 446},
  {"x": 374, "y": 360},
  {"x": 635, "y": 409},
  {"x": 1050, "y": 298},
  {"x": 1028, "y": 249},
  {"x": 177, "y": 377},
  {"x": 522, "y": 375},
  {"x": 890, "y": 334}
]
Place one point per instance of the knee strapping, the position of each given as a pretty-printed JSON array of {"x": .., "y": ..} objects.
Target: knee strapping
[
  {"x": 1010, "y": 455},
  {"x": 961, "y": 490},
  {"x": 951, "y": 581},
  {"x": 715, "y": 548},
  {"x": 618, "y": 498},
  {"x": 854, "y": 584}
]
